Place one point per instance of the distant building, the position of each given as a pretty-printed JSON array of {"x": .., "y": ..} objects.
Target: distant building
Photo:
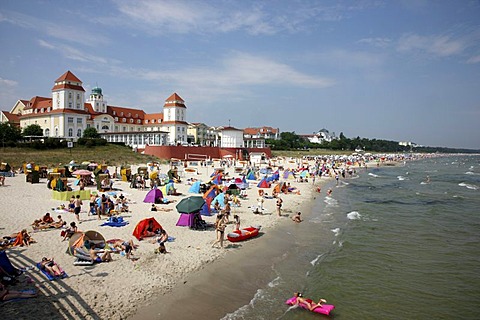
[
  {"x": 202, "y": 135},
  {"x": 231, "y": 137},
  {"x": 319, "y": 137},
  {"x": 66, "y": 114},
  {"x": 262, "y": 132}
]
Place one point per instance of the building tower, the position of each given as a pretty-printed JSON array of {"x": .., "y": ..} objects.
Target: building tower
[
  {"x": 68, "y": 93},
  {"x": 96, "y": 100},
  {"x": 175, "y": 119}
]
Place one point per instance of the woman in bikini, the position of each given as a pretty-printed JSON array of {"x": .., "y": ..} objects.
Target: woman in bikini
[
  {"x": 308, "y": 302},
  {"x": 6, "y": 294},
  {"x": 51, "y": 267}
]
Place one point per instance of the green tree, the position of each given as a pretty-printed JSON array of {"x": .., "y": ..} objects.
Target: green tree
[
  {"x": 9, "y": 132},
  {"x": 91, "y": 133},
  {"x": 32, "y": 130}
]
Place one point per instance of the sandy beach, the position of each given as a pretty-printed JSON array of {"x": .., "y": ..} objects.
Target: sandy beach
[{"x": 116, "y": 290}]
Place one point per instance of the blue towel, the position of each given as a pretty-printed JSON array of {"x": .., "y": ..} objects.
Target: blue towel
[{"x": 49, "y": 276}]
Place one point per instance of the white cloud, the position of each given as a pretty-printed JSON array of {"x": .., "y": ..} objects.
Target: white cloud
[
  {"x": 438, "y": 45},
  {"x": 71, "y": 33},
  {"x": 376, "y": 42},
  {"x": 474, "y": 59},
  {"x": 7, "y": 82},
  {"x": 74, "y": 53}
]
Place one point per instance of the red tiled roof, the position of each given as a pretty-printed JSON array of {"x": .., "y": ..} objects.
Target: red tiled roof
[
  {"x": 14, "y": 118},
  {"x": 175, "y": 122},
  {"x": 153, "y": 117},
  {"x": 67, "y": 86},
  {"x": 175, "y": 97},
  {"x": 133, "y": 112},
  {"x": 261, "y": 130},
  {"x": 39, "y": 114},
  {"x": 68, "y": 76},
  {"x": 231, "y": 129},
  {"x": 35, "y": 101}
]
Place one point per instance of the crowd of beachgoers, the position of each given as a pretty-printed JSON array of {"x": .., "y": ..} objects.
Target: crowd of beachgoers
[{"x": 108, "y": 253}]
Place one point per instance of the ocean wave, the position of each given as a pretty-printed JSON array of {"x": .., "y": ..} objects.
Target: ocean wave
[
  {"x": 336, "y": 231},
  {"x": 275, "y": 282},
  {"x": 314, "y": 261},
  {"x": 373, "y": 175},
  {"x": 401, "y": 178},
  {"x": 330, "y": 202},
  {"x": 354, "y": 215},
  {"x": 468, "y": 186},
  {"x": 242, "y": 311},
  {"x": 472, "y": 173}
]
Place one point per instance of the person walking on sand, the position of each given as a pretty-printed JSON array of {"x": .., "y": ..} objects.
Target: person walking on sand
[
  {"x": 78, "y": 207},
  {"x": 279, "y": 206},
  {"x": 220, "y": 230}
]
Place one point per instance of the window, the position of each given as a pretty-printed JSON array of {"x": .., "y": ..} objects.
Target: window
[
  {"x": 70, "y": 132},
  {"x": 56, "y": 131},
  {"x": 139, "y": 121},
  {"x": 69, "y": 104},
  {"x": 129, "y": 114},
  {"x": 41, "y": 110},
  {"x": 47, "y": 132},
  {"x": 78, "y": 96},
  {"x": 121, "y": 114},
  {"x": 153, "y": 120},
  {"x": 104, "y": 127},
  {"x": 136, "y": 115},
  {"x": 114, "y": 113},
  {"x": 146, "y": 121},
  {"x": 69, "y": 95},
  {"x": 79, "y": 121},
  {"x": 124, "y": 120},
  {"x": 116, "y": 118},
  {"x": 79, "y": 133},
  {"x": 131, "y": 120},
  {"x": 70, "y": 119}
]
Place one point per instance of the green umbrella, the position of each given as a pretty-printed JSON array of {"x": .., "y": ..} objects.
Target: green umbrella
[{"x": 190, "y": 204}]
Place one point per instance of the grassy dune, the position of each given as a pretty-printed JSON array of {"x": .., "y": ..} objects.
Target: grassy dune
[{"x": 114, "y": 155}]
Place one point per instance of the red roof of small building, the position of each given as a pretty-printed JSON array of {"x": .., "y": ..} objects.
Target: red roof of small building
[
  {"x": 231, "y": 129},
  {"x": 68, "y": 76},
  {"x": 13, "y": 118},
  {"x": 153, "y": 118}
]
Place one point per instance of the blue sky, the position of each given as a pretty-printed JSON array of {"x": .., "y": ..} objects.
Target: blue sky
[{"x": 397, "y": 70}]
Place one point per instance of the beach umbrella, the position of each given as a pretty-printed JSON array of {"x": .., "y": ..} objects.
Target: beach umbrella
[
  {"x": 82, "y": 172},
  {"x": 190, "y": 204}
]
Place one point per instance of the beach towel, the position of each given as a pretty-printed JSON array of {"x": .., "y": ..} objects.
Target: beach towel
[
  {"x": 49, "y": 276},
  {"x": 115, "y": 222}
]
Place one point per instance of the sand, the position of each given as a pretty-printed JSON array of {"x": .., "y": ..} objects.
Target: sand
[{"x": 116, "y": 290}]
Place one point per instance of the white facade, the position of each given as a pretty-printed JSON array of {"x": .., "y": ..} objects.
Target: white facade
[{"x": 231, "y": 138}]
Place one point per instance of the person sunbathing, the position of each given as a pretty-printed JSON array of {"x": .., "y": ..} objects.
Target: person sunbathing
[
  {"x": 43, "y": 223},
  {"x": 51, "y": 267},
  {"x": 126, "y": 246},
  {"x": 99, "y": 256},
  {"x": 6, "y": 294},
  {"x": 58, "y": 224},
  {"x": 307, "y": 302}
]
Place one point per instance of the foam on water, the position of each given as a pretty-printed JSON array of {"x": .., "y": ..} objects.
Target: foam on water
[
  {"x": 330, "y": 202},
  {"x": 314, "y": 261},
  {"x": 275, "y": 282},
  {"x": 238, "y": 314},
  {"x": 468, "y": 186},
  {"x": 354, "y": 215},
  {"x": 472, "y": 173},
  {"x": 373, "y": 175},
  {"x": 336, "y": 231}
]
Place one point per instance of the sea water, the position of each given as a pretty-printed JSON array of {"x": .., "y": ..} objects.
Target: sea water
[{"x": 397, "y": 242}]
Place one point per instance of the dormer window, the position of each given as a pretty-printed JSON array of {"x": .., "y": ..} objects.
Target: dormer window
[
  {"x": 41, "y": 110},
  {"x": 153, "y": 120},
  {"x": 124, "y": 120},
  {"x": 136, "y": 115},
  {"x": 129, "y": 114},
  {"x": 146, "y": 121},
  {"x": 131, "y": 120},
  {"x": 114, "y": 113},
  {"x": 121, "y": 114},
  {"x": 139, "y": 121},
  {"x": 116, "y": 118}
]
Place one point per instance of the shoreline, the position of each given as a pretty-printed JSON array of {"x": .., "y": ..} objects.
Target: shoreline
[{"x": 230, "y": 281}]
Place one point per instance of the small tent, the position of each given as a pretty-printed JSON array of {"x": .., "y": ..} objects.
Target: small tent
[
  {"x": 288, "y": 174},
  {"x": 263, "y": 184},
  {"x": 206, "y": 211},
  {"x": 251, "y": 175},
  {"x": 152, "y": 195},
  {"x": 221, "y": 200},
  {"x": 211, "y": 192},
  {"x": 305, "y": 174},
  {"x": 195, "y": 187},
  {"x": 168, "y": 188},
  {"x": 141, "y": 228}
]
